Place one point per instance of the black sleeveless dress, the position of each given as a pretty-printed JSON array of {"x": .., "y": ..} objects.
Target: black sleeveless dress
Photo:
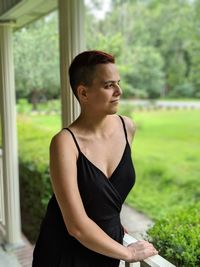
[{"x": 102, "y": 198}]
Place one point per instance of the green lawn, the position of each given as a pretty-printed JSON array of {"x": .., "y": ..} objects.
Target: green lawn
[
  {"x": 34, "y": 134},
  {"x": 166, "y": 155}
]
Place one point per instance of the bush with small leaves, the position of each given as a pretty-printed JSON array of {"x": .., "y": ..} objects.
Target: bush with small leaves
[{"x": 177, "y": 237}]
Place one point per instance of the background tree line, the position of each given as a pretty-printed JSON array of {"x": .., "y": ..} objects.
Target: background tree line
[{"x": 156, "y": 44}]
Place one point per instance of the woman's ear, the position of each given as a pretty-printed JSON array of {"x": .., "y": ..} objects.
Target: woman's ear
[{"x": 82, "y": 93}]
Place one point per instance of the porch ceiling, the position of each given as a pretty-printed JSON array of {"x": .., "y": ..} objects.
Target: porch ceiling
[{"x": 25, "y": 11}]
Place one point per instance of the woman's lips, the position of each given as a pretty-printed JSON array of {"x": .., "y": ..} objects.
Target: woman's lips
[{"x": 115, "y": 101}]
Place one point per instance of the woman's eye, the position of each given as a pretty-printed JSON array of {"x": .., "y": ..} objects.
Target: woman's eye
[{"x": 109, "y": 85}]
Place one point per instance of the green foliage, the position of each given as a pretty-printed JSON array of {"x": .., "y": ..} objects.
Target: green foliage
[
  {"x": 183, "y": 90},
  {"x": 112, "y": 44},
  {"x": 51, "y": 106},
  {"x": 177, "y": 236},
  {"x": 194, "y": 76},
  {"x": 46, "y": 107},
  {"x": 23, "y": 106},
  {"x": 145, "y": 72},
  {"x": 156, "y": 43},
  {"x": 35, "y": 191},
  {"x": 37, "y": 60},
  {"x": 135, "y": 93},
  {"x": 35, "y": 188},
  {"x": 169, "y": 28},
  {"x": 176, "y": 71}
]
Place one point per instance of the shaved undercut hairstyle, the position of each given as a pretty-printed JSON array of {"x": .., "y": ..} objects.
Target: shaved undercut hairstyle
[{"x": 82, "y": 68}]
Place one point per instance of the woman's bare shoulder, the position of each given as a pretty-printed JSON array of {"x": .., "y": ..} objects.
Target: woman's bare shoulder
[
  {"x": 63, "y": 156},
  {"x": 130, "y": 125},
  {"x": 62, "y": 141}
]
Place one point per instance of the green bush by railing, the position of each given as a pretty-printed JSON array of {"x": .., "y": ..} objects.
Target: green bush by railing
[{"x": 177, "y": 237}]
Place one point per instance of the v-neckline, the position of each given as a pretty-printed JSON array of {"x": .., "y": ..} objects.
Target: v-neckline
[{"x": 97, "y": 168}]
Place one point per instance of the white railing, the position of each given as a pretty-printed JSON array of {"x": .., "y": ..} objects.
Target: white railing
[
  {"x": 2, "y": 206},
  {"x": 154, "y": 261}
]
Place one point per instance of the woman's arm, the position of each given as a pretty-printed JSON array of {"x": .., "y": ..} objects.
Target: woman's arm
[{"x": 63, "y": 169}]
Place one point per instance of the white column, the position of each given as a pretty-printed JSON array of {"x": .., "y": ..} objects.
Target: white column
[
  {"x": 9, "y": 136},
  {"x": 71, "y": 25}
]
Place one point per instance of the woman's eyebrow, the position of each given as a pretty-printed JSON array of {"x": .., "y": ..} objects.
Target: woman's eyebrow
[{"x": 111, "y": 81}]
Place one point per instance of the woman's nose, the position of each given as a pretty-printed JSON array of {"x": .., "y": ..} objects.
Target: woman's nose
[{"x": 118, "y": 90}]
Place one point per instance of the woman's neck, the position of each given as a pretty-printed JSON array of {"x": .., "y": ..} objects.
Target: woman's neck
[{"x": 92, "y": 123}]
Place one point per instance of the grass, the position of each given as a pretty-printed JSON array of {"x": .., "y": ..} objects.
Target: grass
[
  {"x": 166, "y": 157},
  {"x": 35, "y": 133},
  {"x": 165, "y": 153}
]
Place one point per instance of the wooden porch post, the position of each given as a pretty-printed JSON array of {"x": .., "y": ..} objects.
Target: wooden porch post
[
  {"x": 9, "y": 136},
  {"x": 71, "y": 25}
]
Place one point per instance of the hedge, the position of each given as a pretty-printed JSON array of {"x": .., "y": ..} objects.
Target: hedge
[
  {"x": 35, "y": 185},
  {"x": 35, "y": 191},
  {"x": 177, "y": 237}
]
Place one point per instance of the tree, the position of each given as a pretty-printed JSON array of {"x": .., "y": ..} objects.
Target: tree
[
  {"x": 171, "y": 27},
  {"x": 144, "y": 72},
  {"x": 194, "y": 76},
  {"x": 37, "y": 60}
]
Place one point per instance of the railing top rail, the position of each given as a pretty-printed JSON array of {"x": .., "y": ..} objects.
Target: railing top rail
[{"x": 154, "y": 261}]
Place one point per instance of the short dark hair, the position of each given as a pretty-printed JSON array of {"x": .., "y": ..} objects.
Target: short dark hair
[{"x": 82, "y": 68}]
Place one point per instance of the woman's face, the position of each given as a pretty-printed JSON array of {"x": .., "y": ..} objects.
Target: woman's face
[{"x": 104, "y": 93}]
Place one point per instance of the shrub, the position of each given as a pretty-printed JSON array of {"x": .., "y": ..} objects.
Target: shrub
[
  {"x": 23, "y": 106},
  {"x": 177, "y": 236},
  {"x": 35, "y": 191},
  {"x": 183, "y": 90},
  {"x": 35, "y": 185},
  {"x": 50, "y": 106}
]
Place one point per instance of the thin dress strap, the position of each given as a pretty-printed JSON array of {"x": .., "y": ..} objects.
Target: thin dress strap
[
  {"x": 75, "y": 141},
  {"x": 125, "y": 132}
]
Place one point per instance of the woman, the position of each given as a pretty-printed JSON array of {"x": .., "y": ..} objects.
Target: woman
[{"x": 91, "y": 173}]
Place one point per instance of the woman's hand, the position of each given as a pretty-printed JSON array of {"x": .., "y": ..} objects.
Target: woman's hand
[{"x": 141, "y": 250}]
